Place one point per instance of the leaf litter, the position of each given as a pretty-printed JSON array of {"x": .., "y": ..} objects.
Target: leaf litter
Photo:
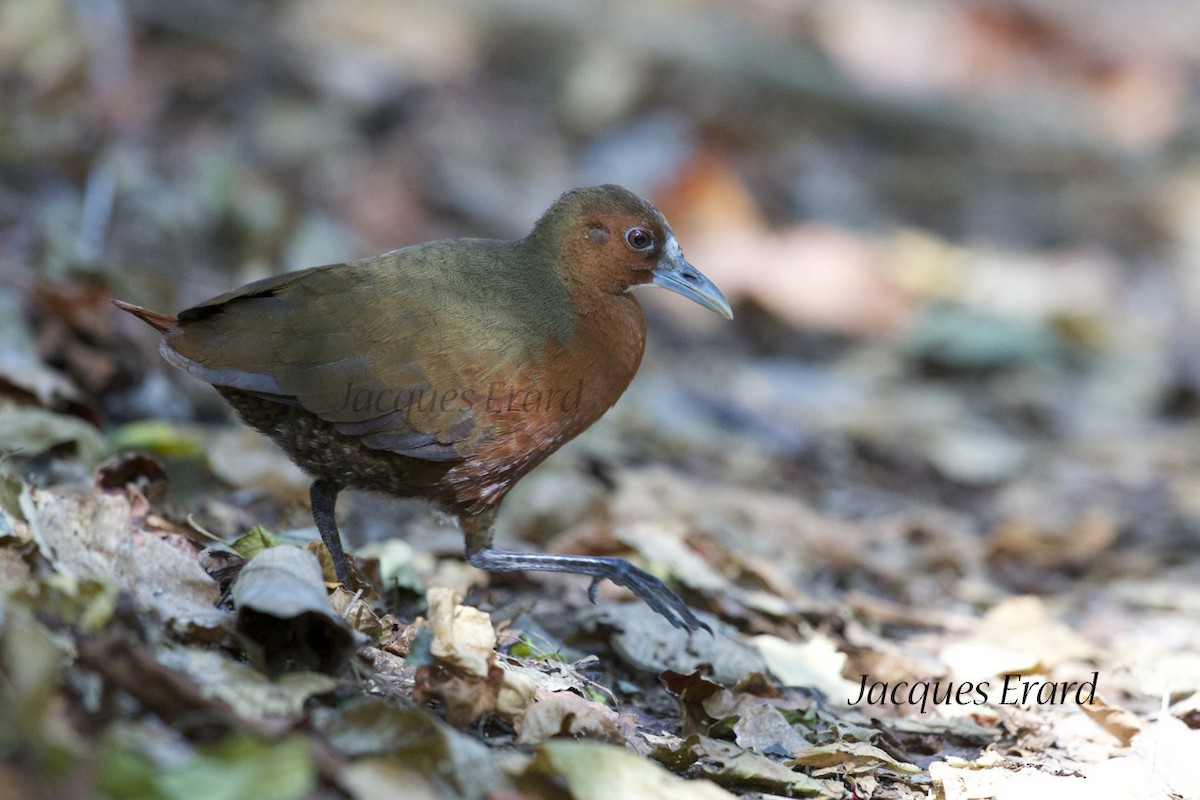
[{"x": 949, "y": 440}]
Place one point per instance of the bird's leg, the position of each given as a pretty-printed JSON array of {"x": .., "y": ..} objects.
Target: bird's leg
[
  {"x": 651, "y": 590},
  {"x": 654, "y": 592},
  {"x": 323, "y": 495}
]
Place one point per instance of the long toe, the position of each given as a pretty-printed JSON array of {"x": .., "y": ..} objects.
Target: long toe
[
  {"x": 649, "y": 588},
  {"x": 657, "y": 595}
]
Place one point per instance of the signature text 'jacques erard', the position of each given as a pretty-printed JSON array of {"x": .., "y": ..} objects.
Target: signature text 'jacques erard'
[{"x": 1011, "y": 690}]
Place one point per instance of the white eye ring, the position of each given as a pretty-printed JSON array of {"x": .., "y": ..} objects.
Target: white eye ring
[{"x": 639, "y": 239}]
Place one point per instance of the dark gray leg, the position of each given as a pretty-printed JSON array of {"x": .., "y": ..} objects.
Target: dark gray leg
[
  {"x": 323, "y": 495},
  {"x": 654, "y": 592}
]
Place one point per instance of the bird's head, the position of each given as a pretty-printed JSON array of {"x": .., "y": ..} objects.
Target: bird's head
[{"x": 608, "y": 239}]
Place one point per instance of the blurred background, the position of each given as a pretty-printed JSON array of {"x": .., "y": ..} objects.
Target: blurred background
[{"x": 962, "y": 241}]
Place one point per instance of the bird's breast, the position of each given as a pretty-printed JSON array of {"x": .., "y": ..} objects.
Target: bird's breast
[{"x": 538, "y": 406}]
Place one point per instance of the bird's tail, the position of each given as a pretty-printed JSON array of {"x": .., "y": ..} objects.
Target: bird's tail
[{"x": 160, "y": 322}]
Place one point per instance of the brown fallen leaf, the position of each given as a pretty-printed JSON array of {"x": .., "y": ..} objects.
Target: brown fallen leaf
[
  {"x": 554, "y": 714},
  {"x": 850, "y": 756},
  {"x": 1120, "y": 722},
  {"x": 93, "y": 537},
  {"x": 357, "y": 613},
  {"x": 1025, "y": 541},
  {"x": 465, "y": 697},
  {"x": 140, "y": 476},
  {"x": 692, "y": 691},
  {"x": 467, "y": 676},
  {"x": 74, "y": 327}
]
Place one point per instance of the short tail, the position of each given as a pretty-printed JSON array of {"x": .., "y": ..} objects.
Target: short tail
[{"x": 160, "y": 322}]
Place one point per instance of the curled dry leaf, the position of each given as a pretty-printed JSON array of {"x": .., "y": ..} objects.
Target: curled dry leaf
[
  {"x": 397, "y": 637},
  {"x": 692, "y": 692},
  {"x": 465, "y": 697},
  {"x": 463, "y": 637},
  {"x": 554, "y": 714},
  {"x": 284, "y": 615},
  {"x": 1120, "y": 722},
  {"x": 138, "y": 476},
  {"x": 222, "y": 566},
  {"x": 351, "y": 607},
  {"x": 468, "y": 677}
]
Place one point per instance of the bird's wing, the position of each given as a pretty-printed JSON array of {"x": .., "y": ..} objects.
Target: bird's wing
[{"x": 381, "y": 349}]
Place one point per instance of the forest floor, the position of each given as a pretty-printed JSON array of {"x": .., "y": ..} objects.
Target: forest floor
[{"x": 935, "y": 489}]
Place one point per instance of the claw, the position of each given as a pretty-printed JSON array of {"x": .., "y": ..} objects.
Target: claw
[
  {"x": 657, "y": 595},
  {"x": 650, "y": 589}
]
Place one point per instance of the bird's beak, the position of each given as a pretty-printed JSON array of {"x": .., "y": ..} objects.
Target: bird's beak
[{"x": 675, "y": 274}]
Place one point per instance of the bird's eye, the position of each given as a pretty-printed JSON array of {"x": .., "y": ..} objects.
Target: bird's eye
[{"x": 639, "y": 239}]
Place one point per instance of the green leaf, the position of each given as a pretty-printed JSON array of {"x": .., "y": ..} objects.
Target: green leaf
[
  {"x": 158, "y": 437},
  {"x": 255, "y": 541},
  {"x": 244, "y": 767},
  {"x": 10, "y": 497},
  {"x": 241, "y": 767},
  {"x": 593, "y": 771}
]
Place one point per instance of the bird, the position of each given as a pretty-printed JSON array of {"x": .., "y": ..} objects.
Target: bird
[{"x": 448, "y": 370}]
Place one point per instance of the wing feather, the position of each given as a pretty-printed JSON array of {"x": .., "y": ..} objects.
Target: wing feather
[{"x": 380, "y": 372}]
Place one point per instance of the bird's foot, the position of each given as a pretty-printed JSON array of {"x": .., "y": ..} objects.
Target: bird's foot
[
  {"x": 650, "y": 589},
  {"x": 592, "y": 587}
]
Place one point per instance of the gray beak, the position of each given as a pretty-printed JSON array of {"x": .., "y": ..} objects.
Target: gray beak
[{"x": 675, "y": 274}]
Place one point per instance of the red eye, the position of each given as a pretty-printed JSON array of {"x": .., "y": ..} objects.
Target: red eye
[{"x": 639, "y": 239}]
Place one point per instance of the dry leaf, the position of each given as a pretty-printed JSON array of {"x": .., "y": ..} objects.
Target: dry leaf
[
  {"x": 468, "y": 676},
  {"x": 600, "y": 772},
  {"x": 1120, "y": 722},
  {"x": 1016, "y": 636},
  {"x": 553, "y": 714},
  {"x": 284, "y": 615},
  {"x": 816, "y": 663}
]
